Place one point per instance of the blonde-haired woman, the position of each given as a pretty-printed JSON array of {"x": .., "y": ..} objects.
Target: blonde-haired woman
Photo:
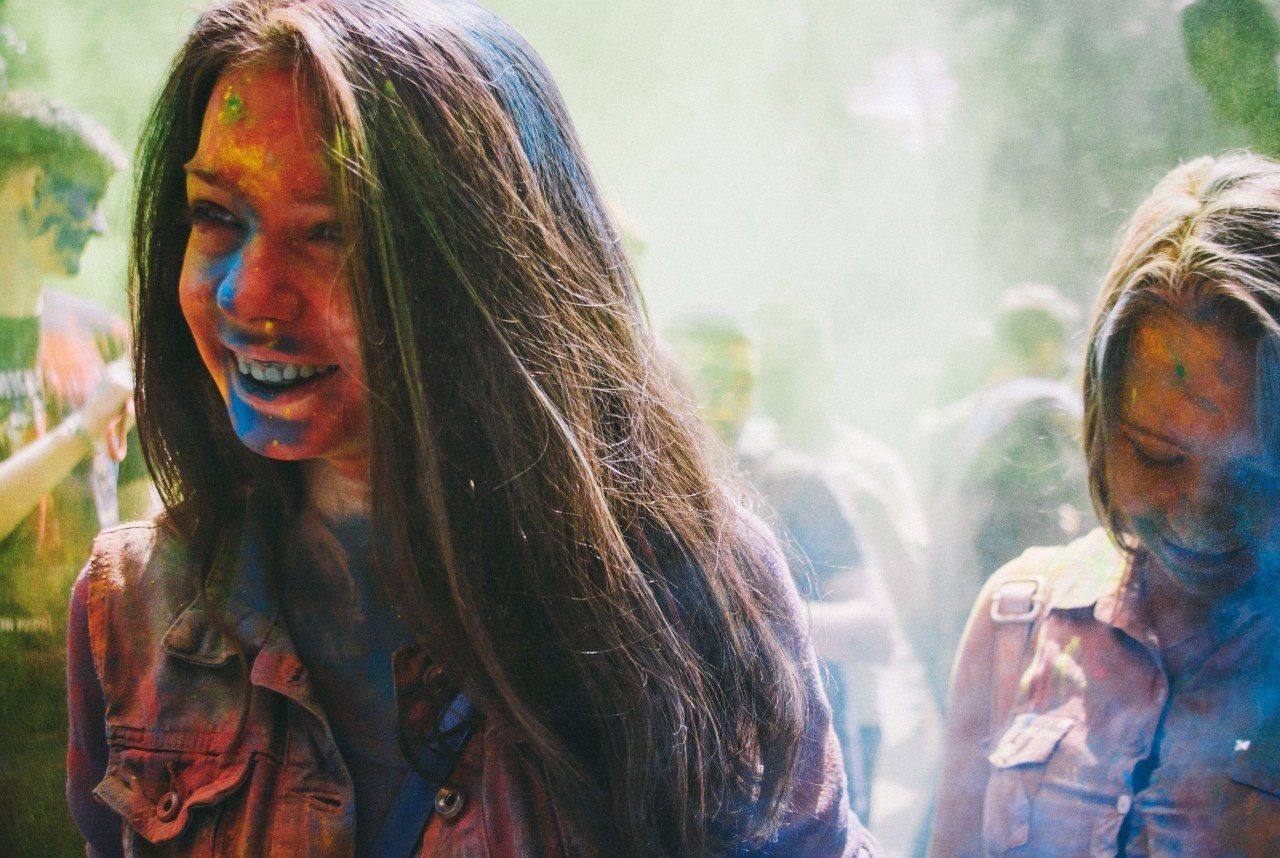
[{"x": 1121, "y": 695}]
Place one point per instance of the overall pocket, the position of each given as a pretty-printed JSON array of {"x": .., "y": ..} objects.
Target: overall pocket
[{"x": 1018, "y": 762}]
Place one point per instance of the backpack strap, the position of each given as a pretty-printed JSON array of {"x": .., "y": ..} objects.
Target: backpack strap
[
  {"x": 1015, "y": 607},
  {"x": 423, "y": 789}
]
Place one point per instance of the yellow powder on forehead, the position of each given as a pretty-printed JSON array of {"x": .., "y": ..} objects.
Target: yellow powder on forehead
[{"x": 251, "y": 164}]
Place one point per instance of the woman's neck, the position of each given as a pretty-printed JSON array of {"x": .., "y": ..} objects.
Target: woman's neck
[{"x": 338, "y": 491}]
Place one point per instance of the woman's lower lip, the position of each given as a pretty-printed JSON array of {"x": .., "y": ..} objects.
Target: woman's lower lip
[{"x": 282, "y": 402}]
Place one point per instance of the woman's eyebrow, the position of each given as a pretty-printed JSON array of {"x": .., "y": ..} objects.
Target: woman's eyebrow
[
  {"x": 219, "y": 180},
  {"x": 1139, "y": 429},
  {"x": 213, "y": 177}
]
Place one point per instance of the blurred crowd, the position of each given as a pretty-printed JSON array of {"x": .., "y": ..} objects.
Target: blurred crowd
[{"x": 891, "y": 557}]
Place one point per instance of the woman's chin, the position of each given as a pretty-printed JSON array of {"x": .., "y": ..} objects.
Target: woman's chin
[{"x": 1208, "y": 574}]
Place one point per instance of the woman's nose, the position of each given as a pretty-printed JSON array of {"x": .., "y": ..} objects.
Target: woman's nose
[{"x": 256, "y": 287}]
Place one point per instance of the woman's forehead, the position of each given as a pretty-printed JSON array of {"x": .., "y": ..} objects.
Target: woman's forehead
[
  {"x": 1192, "y": 379},
  {"x": 260, "y": 130}
]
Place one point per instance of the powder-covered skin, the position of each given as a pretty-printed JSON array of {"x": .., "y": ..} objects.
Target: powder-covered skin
[
  {"x": 1188, "y": 469},
  {"x": 263, "y": 279}
]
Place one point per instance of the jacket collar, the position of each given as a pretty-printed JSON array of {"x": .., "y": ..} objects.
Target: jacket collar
[
  {"x": 244, "y": 594},
  {"x": 239, "y": 588},
  {"x": 1089, "y": 573},
  {"x": 1104, "y": 578}
]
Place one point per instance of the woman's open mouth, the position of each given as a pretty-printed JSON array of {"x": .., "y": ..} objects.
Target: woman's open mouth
[{"x": 278, "y": 375}]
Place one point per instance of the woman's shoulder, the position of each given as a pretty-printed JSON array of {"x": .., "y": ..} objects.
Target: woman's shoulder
[
  {"x": 126, "y": 551},
  {"x": 1066, "y": 576},
  {"x": 138, "y": 569}
]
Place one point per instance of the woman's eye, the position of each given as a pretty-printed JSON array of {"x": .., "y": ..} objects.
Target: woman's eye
[
  {"x": 208, "y": 215},
  {"x": 329, "y": 232},
  {"x": 1154, "y": 460}
]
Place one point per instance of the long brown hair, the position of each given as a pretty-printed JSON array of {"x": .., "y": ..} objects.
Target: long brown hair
[
  {"x": 1206, "y": 242},
  {"x": 551, "y": 522}
]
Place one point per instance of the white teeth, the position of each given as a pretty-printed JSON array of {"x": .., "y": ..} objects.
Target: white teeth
[{"x": 278, "y": 372}]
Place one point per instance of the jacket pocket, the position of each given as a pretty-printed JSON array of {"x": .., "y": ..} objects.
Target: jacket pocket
[
  {"x": 166, "y": 793},
  {"x": 1018, "y": 762}
]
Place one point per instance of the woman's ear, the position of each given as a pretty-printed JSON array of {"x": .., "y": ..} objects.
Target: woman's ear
[
  {"x": 21, "y": 192},
  {"x": 25, "y": 183}
]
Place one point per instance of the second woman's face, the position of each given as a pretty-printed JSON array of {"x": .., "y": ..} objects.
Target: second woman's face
[
  {"x": 263, "y": 287},
  {"x": 1187, "y": 469}
]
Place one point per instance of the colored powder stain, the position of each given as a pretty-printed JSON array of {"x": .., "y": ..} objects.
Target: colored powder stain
[
  {"x": 250, "y": 165},
  {"x": 268, "y": 326},
  {"x": 1179, "y": 370},
  {"x": 232, "y": 108},
  {"x": 258, "y": 431}
]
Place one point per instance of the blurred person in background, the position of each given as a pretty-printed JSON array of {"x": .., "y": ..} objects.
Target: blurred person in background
[
  {"x": 1119, "y": 695},
  {"x": 443, "y": 568},
  {"x": 852, "y": 626},
  {"x": 1007, "y": 468},
  {"x": 63, "y": 412}
]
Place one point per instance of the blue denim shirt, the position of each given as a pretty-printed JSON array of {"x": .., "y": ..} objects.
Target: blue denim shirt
[{"x": 1063, "y": 772}]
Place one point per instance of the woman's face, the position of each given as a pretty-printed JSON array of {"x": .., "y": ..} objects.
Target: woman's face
[
  {"x": 263, "y": 287},
  {"x": 1187, "y": 470}
]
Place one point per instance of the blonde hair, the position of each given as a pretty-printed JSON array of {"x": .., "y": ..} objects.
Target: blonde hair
[{"x": 1204, "y": 245}]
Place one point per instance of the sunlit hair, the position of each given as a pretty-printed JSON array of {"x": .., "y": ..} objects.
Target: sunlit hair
[
  {"x": 36, "y": 131},
  {"x": 1205, "y": 246},
  {"x": 542, "y": 495}
]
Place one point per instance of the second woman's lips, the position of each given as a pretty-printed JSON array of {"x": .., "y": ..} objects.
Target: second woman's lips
[{"x": 1201, "y": 556}]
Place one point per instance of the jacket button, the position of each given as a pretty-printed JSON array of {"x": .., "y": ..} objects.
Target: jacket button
[
  {"x": 449, "y": 801},
  {"x": 168, "y": 806}
]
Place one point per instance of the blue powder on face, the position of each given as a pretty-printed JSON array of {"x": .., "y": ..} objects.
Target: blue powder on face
[{"x": 259, "y": 431}]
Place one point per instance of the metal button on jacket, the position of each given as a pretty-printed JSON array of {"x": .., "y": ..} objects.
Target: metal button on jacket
[
  {"x": 168, "y": 806},
  {"x": 449, "y": 801}
]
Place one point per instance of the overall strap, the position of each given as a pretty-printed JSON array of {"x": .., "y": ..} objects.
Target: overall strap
[
  {"x": 423, "y": 789},
  {"x": 1015, "y": 607}
]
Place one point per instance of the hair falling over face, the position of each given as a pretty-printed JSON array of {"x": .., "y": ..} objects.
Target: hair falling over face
[{"x": 540, "y": 491}]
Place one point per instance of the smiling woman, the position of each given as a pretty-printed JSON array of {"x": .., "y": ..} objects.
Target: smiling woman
[
  {"x": 1119, "y": 695},
  {"x": 443, "y": 569}
]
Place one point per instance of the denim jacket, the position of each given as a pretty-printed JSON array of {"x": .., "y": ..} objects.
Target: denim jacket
[
  {"x": 155, "y": 692},
  {"x": 1112, "y": 744}
]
